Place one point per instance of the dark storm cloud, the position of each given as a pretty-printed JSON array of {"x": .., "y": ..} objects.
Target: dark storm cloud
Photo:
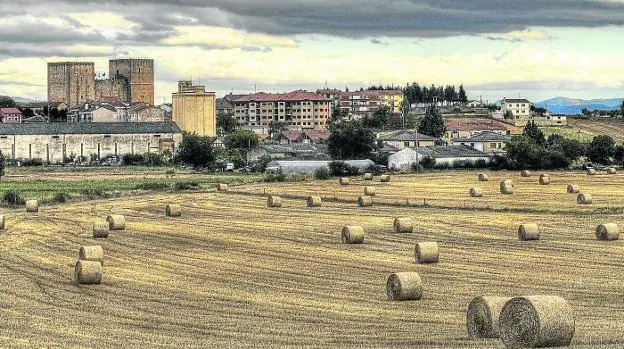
[{"x": 359, "y": 18}]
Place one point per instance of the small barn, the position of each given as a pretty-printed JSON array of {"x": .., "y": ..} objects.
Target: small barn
[{"x": 444, "y": 155}]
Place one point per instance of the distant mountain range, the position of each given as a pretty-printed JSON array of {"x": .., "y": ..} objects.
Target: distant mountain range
[{"x": 571, "y": 106}]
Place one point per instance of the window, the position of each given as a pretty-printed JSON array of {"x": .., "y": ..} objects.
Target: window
[
  {"x": 493, "y": 145},
  {"x": 472, "y": 145},
  {"x": 107, "y": 136}
]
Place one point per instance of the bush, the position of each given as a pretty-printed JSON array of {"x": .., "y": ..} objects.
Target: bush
[
  {"x": 12, "y": 197},
  {"x": 33, "y": 162},
  {"x": 152, "y": 186},
  {"x": 92, "y": 192},
  {"x": 297, "y": 177},
  {"x": 133, "y": 159},
  {"x": 480, "y": 163},
  {"x": 153, "y": 159},
  {"x": 416, "y": 167},
  {"x": 185, "y": 186},
  {"x": 322, "y": 173},
  {"x": 341, "y": 169},
  {"x": 374, "y": 169},
  {"x": 279, "y": 177},
  {"x": 442, "y": 166},
  {"x": 460, "y": 163},
  {"x": 428, "y": 162},
  {"x": 170, "y": 172},
  {"x": 60, "y": 197}
]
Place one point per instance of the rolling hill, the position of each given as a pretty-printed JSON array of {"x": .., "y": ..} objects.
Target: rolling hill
[{"x": 571, "y": 106}]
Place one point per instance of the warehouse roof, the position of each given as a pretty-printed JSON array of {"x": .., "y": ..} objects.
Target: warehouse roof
[{"x": 56, "y": 128}]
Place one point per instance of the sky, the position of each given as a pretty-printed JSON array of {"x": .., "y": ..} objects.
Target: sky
[{"x": 536, "y": 49}]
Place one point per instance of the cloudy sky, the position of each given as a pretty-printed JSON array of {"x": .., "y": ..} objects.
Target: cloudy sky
[{"x": 532, "y": 48}]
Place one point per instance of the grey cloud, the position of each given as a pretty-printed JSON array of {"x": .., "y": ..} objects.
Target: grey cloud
[
  {"x": 256, "y": 49},
  {"x": 378, "y": 42},
  {"x": 499, "y": 38}
]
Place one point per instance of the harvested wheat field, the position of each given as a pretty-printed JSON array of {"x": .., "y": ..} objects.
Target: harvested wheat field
[{"x": 233, "y": 273}]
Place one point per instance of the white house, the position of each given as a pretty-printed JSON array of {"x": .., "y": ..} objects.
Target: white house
[
  {"x": 449, "y": 155},
  {"x": 487, "y": 142},
  {"x": 519, "y": 107},
  {"x": 475, "y": 104}
]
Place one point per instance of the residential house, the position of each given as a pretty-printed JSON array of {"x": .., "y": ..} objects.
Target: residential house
[
  {"x": 304, "y": 136},
  {"x": 93, "y": 113},
  {"x": 466, "y": 128},
  {"x": 141, "y": 112},
  {"x": 487, "y": 142},
  {"x": 449, "y": 155},
  {"x": 297, "y": 110},
  {"x": 10, "y": 116},
  {"x": 520, "y": 108},
  {"x": 475, "y": 104},
  {"x": 406, "y": 138},
  {"x": 331, "y": 94},
  {"x": 364, "y": 103}
]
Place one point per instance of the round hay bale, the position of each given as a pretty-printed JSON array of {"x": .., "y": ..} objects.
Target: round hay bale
[
  {"x": 222, "y": 187},
  {"x": 344, "y": 181},
  {"x": 116, "y": 222},
  {"x": 482, "y": 316},
  {"x": 91, "y": 253},
  {"x": 591, "y": 172},
  {"x": 403, "y": 225},
  {"x": 607, "y": 231},
  {"x": 365, "y": 201},
  {"x": 32, "y": 206},
  {"x": 100, "y": 229},
  {"x": 314, "y": 201},
  {"x": 369, "y": 191},
  {"x": 88, "y": 272},
  {"x": 274, "y": 201},
  {"x": 525, "y": 173},
  {"x": 405, "y": 286},
  {"x": 507, "y": 187},
  {"x": 536, "y": 322},
  {"x": 352, "y": 234},
  {"x": 368, "y": 176},
  {"x": 611, "y": 171},
  {"x": 2, "y": 222},
  {"x": 573, "y": 189},
  {"x": 426, "y": 252},
  {"x": 385, "y": 178},
  {"x": 483, "y": 177},
  {"x": 584, "y": 199},
  {"x": 173, "y": 210},
  {"x": 476, "y": 192},
  {"x": 544, "y": 179},
  {"x": 527, "y": 232}
]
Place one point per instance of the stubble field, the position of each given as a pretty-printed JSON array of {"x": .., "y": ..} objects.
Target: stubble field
[{"x": 233, "y": 273}]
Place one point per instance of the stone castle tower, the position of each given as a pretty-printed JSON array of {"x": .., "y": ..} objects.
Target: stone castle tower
[
  {"x": 139, "y": 75},
  {"x": 72, "y": 83}
]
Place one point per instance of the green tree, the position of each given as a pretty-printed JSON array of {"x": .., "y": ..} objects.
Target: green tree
[
  {"x": 1, "y": 164},
  {"x": 432, "y": 124},
  {"x": 622, "y": 109},
  {"x": 618, "y": 153},
  {"x": 350, "y": 140},
  {"x": 242, "y": 139},
  {"x": 276, "y": 128},
  {"x": 601, "y": 149},
  {"x": 533, "y": 132},
  {"x": 7, "y": 102},
  {"x": 379, "y": 119},
  {"x": 461, "y": 95},
  {"x": 27, "y": 112},
  {"x": 226, "y": 122},
  {"x": 508, "y": 115},
  {"x": 196, "y": 150},
  {"x": 339, "y": 114}
]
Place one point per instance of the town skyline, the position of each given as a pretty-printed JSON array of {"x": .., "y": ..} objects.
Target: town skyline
[{"x": 536, "y": 50}]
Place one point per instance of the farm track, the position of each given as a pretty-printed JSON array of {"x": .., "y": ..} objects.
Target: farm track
[{"x": 233, "y": 273}]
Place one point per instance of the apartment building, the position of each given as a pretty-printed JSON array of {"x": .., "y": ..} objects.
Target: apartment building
[
  {"x": 365, "y": 103},
  {"x": 298, "y": 110}
]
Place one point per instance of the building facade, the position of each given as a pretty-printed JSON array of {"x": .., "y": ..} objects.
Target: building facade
[
  {"x": 141, "y": 112},
  {"x": 72, "y": 83},
  {"x": 365, "y": 103},
  {"x": 139, "y": 77},
  {"x": 194, "y": 109},
  {"x": 487, "y": 142},
  {"x": 331, "y": 94},
  {"x": 297, "y": 110},
  {"x": 408, "y": 139},
  {"x": 10, "y": 116},
  {"x": 56, "y": 141}
]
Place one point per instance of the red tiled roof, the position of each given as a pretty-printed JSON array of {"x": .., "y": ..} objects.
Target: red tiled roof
[
  {"x": 317, "y": 135},
  {"x": 291, "y": 135},
  {"x": 299, "y": 95},
  {"x": 10, "y": 111},
  {"x": 475, "y": 125}
]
